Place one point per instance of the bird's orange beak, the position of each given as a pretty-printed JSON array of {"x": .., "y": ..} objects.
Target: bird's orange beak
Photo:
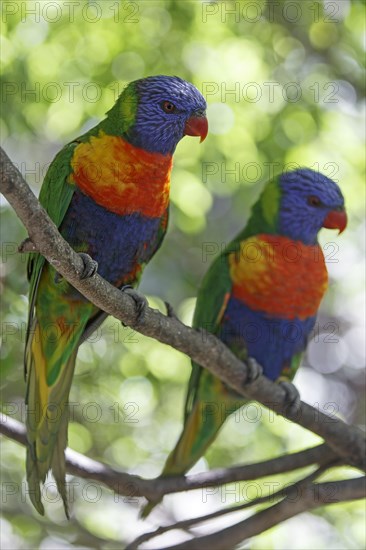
[
  {"x": 196, "y": 126},
  {"x": 336, "y": 219}
]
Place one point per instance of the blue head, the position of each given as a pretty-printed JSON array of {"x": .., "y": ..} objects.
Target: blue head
[
  {"x": 309, "y": 201},
  {"x": 154, "y": 113}
]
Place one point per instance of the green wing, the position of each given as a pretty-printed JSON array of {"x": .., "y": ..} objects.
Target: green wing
[
  {"x": 211, "y": 302},
  {"x": 55, "y": 197}
]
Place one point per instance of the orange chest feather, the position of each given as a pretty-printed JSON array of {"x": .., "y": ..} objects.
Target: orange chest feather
[
  {"x": 279, "y": 276},
  {"x": 122, "y": 178}
]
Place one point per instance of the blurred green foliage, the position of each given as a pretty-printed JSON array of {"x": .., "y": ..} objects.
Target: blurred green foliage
[{"x": 285, "y": 84}]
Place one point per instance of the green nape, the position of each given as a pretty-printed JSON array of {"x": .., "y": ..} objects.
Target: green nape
[
  {"x": 122, "y": 115},
  {"x": 264, "y": 214},
  {"x": 270, "y": 201}
]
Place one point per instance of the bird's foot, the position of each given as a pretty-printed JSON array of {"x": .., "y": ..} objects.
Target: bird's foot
[
  {"x": 27, "y": 246},
  {"x": 140, "y": 301},
  {"x": 292, "y": 397},
  {"x": 254, "y": 370},
  {"x": 170, "y": 311},
  {"x": 58, "y": 278},
  {"x": 203, "y": 333},
  {"x": 90, "y": 266}
]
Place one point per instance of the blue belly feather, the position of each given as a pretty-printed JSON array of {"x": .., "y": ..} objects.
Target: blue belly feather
[
  {"x": 271, "y": 341},
  {"x": 117, "y": 243}
]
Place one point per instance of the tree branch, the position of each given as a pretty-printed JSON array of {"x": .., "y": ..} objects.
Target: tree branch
[
  {"x": 133, "y": 485},
  {"x": 185, "y": 524},
  {"x": 204, "y": 348},
  {"x": 307, "y": 498},
  {"x": 85, "y": 467}
]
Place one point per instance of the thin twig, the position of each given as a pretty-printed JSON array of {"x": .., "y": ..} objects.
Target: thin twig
[
  {"x": 134, "y": 486},
  {"x": 311, "y": 496},
  {"x": 188, "y": 523}
]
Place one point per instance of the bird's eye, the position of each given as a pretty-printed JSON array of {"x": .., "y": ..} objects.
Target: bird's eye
[
  {"x": 168, "y": 107},
  {"x": 314, "y": 201}
]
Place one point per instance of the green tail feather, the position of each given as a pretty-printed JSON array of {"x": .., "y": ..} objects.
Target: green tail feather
[
  {"x": 195, "y": 438},
  {"x": 58, "y": 466},
  {"x": 200, "y": 430},
  {"x": 47, "y": 430},
  {"x": 33, "y": 479}
]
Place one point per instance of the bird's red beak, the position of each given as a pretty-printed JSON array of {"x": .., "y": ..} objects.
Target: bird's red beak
[
  {"x": 196, "y": 126},
  {"x": 336, "y": 219}
]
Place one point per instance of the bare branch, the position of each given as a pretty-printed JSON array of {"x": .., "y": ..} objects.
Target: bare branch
[
  {"x": 85, "y": 467},
  {"x": 185, "y": 524},
  {"x": 132, "y": 485},
  {"x": 307, "y": 498}
]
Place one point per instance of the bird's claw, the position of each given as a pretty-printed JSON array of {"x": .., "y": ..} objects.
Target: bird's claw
[
  {"x": 90, "y": 266},
  {"x": 292, "y": 397},
  {"x": 254, "y": 370},
  {"x": 140, "y": 301},
  {"x": 57, "y": 278},
  {"x": 203, "y": 333},
  {"x": 170, "y": 311},
  {"x": 27, "y": 246}
]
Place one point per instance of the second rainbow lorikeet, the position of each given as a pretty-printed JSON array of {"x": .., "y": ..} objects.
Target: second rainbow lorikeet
[
  {"x": 260, "y": 297},
  {"x": 108, "y": 193}
]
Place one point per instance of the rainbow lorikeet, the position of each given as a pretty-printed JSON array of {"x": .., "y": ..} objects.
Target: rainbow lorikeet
[
  {"x": 108, "y": 193},
  {"x": 260, "y": 297}
]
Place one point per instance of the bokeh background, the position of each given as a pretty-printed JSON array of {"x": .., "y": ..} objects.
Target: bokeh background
[{"x": 284, "y": 84}]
